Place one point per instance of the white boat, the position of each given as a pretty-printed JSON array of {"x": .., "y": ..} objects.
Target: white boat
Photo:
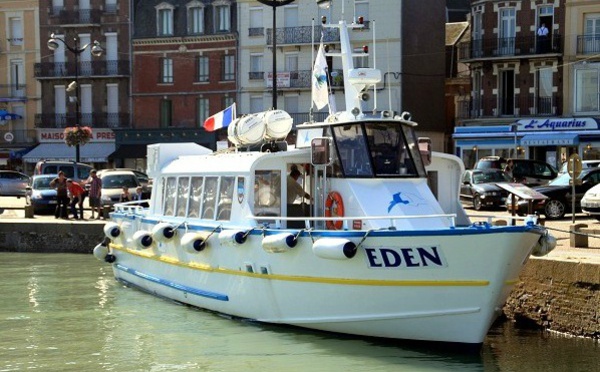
[{"x": 382, "y": 248}]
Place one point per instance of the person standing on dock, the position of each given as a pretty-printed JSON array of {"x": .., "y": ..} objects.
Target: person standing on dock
[
  {"x": 77, "y": 195},
  {"x": 95, "y": 193},
  {"x": 62, "y": 197}
]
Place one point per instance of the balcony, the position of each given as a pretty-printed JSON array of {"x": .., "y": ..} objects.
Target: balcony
[
  {"x": 302, "y": 117},
  {"x": 94, "y": 120},
  {"x": 20, "y": 137},
  {"x": 13, "y": 92},
  {"x": 302, "y": 35},
  {"x": 526, "y": 106},
  {"x": 88, "y": 68},
  {"x": 509, "y": 47},
  {"x": 256, "y": 75},
  {"x": 256, "y": 31},
  {"x": 588, "y": 44},
  {"x": 302, "y": 79},
  {"x": 77, "y": 17}
]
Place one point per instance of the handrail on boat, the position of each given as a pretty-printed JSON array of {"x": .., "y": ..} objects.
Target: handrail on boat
[{"x": 451, "y": 217}]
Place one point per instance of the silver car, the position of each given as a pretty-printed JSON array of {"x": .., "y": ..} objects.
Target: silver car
[{"x": 13, "y": 183}]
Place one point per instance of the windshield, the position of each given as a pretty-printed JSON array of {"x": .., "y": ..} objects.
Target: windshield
[
  {"x": 563, "y": 179},
  {"x": 485, "y": 177},
  {"x": 42, "y": 183},
  {"x": 380, "y": 149},
  {"x": 118, "y": 181}
]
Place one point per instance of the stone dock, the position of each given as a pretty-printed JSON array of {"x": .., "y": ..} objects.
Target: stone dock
[{"x": 559, "y": 292}]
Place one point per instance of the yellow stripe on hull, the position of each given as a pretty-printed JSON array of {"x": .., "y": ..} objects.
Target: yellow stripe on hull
[{"x": 307, "y": 279}]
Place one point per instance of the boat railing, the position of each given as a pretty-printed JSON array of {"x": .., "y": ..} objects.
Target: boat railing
[
  {"x": 345, "y": 220},
  {"x": 132, "y": 207}
]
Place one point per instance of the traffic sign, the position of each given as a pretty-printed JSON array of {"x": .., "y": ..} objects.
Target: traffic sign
[{"x": 574, "y": 166}]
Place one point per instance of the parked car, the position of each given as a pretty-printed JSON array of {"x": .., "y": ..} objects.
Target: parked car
[
  {"x": 584, "y": 164},
  {"x": 40, "y": 195},
  {"x": 590, "y": 203},
  {"x": 141, "y": 176},
  {"x": 526, "y": 171},
  {"x": 113, "y": 182},
  {"x": 559, "y": 193},
  {"x": 13, "y": 183},
  {"x": 479, "y": 188},
  {"x": 78, "y": 172}
]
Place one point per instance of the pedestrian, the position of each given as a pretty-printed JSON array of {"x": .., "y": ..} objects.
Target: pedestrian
[
  {"x": 138, "y": 194},
  {"x": 509, "y": 169},
  {"x": 62, "y": 196},
  {"x": 542, "y": 35},
  {"x": 125, "y": 195},
  {"x": 95, "y": 193},
  {"x": 77, "y": 195}
]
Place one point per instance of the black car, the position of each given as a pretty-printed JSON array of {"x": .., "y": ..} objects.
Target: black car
[
  {"x": 479, "y": 188},
  {"x": 559, "y": 193},
  {"x": 526, "y": 171}
]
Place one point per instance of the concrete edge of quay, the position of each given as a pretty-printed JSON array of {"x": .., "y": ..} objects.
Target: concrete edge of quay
[{"x": 559, "y": 292}]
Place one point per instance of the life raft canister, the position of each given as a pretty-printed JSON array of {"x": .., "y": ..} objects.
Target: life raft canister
[{"x": 334, "y": 206}]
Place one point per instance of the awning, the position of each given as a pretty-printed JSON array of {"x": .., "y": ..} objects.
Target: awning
[
  {"x": 88, "y": 153},
  {"x": 129, "y": 152},
  {"x": 550, "y": 139},
  {"x": 5, "y": 115}
]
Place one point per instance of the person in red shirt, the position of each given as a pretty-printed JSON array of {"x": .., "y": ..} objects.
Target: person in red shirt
[{"x": 77, "y": 195}]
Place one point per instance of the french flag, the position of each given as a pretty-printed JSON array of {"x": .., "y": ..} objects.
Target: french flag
[{"x": 220, "y": 120}]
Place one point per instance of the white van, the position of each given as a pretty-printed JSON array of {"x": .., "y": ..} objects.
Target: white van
[{"x": 78, "y": 172}]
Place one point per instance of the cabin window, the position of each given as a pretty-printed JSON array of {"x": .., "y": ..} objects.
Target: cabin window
[
  {"x": 267, "y": 193},
  {"x": 195, "y": 197},
  {"x": 209, "y": 198},
  {"x": 225, "y": 199},
  {"x": 352, "y": 150},
  {"x": 183, "y": 191},
  {"x": 388, "y": 150},
  {"x": 170, "y": 194}
]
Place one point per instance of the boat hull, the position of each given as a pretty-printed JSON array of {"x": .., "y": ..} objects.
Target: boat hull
[{"x": 444, "y": 285}]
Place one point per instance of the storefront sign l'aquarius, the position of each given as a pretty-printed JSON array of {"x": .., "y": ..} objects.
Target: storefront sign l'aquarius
[{"x": 558, "y": 124}]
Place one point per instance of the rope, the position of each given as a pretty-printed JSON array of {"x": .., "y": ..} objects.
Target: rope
[{"x": 573, "y": 232}]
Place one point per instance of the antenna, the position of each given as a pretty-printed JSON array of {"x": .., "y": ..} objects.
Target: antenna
[
  {"x": 387, "y": 43},
  {"x": 374, "y": 66}
]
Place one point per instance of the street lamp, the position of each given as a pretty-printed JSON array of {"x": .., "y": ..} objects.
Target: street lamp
[
  {"x": 96, "y": 50},
  {"x": 275, "y": 4}
]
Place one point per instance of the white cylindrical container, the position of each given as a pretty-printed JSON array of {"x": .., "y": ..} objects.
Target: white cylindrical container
[{"x": 334, "y": 248}]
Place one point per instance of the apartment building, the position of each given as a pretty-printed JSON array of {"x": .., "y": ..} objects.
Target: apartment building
[
  {"x": 411, "y": 58},
  {"x": 84, "y": 72},
  {"x": 185, "y": 69},
  {"x": 534, "y": 81},
  {"x": 19, "y": 90}
]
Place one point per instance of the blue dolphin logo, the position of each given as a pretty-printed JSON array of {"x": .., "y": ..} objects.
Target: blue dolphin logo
[{"x": 397, "y": 199}]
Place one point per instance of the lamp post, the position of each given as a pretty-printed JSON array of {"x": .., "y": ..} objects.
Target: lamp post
[
  {"x": 275, "y": 4},
  {"x": 96, "y": 50}
]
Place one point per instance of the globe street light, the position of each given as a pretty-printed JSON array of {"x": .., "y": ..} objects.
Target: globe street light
[
  {"x": 275, "y": 4},
  {"x": 96, "y": 50}
]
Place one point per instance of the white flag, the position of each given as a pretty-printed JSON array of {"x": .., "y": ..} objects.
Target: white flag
[{"x": 320, "y": 90}]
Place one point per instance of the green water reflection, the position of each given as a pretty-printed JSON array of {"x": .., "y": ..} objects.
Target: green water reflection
[{"x": 65, "y": 312}]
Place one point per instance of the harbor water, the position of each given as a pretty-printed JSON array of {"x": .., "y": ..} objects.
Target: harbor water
[{"x": 64, "y": 312}]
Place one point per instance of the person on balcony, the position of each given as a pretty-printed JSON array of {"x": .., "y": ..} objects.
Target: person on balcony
[{"x": 543, "y": 44}]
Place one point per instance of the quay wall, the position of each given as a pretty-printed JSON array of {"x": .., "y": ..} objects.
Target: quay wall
[
  {"x": 50, "y": 237},
  {"x": 557, "y": 294}
]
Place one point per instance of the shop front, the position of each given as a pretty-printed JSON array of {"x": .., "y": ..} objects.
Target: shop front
[
  {"x": 551, "y": 140},
  {"x": 52, "y": 146}
]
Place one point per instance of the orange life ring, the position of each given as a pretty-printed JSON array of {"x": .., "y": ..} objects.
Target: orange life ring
[{"x": 334, "y": 206}]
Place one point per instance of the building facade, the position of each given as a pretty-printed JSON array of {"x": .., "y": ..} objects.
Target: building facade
[
  {"x": 185, "y": 69},
  {"x": 410, "y": 57},
  {"x": 19, "y": 90},
  {"x": 534, "y": 78},
  {"x": 78, "y": 86}
]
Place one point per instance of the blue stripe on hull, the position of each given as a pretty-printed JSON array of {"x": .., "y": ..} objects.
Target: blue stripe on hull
[{"x": 179, "y": 287}]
